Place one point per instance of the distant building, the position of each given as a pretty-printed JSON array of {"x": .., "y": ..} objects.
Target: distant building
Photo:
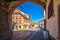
[
  {"x": 20, "y": 20},
  {"x": 34, "y": 25},
  {"x": 41, "y": 23}
]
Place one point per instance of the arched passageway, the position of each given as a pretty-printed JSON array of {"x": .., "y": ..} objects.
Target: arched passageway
[
  {"x": 41, "y": 34},
  {"x": 7, "y": 7},
  {"x": 35, "y": 15},
  {"x": 12, "y": 5}
]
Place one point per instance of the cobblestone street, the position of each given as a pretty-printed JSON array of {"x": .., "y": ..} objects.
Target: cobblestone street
[
  {"x": 33, "y": 34},
  {"x": 23, "y": 34}
]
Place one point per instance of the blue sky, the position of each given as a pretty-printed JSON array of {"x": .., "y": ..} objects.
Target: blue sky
[{"x": 33, "y": 9}]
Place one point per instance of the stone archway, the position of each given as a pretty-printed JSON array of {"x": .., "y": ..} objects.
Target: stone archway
[
  {"x": 14, "y": 4},
  {"x": 10, "y": 7}
]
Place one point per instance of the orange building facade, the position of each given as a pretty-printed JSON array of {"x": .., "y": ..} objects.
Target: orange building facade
[{"x": 19, "y": 20}]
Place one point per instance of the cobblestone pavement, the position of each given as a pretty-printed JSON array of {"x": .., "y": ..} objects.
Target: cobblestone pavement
[
  {"x": 28, "y": 35},
  {"x": 37, "y": 36},
  {"x": 23, "y": 34}
]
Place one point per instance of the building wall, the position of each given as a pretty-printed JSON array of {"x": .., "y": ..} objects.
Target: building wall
[
  {"x": 52, "y": 23},
  {"x": 20, "y": 19},
  {"x": 17, "y": 18}
]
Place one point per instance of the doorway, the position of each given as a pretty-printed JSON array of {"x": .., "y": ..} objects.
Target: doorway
[{"x": 59, "y": 21}]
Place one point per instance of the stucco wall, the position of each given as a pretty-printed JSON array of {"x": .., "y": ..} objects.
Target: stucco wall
[{"x": 52, "y": 23}]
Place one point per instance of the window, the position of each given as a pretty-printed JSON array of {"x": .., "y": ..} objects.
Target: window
[
  {"x": 19, "y": 26},
  {"x": 16, "y": 17},
  {"x": 20, "y": 17},
  {"x": 16, "y": 14},
  {"x": 50, "y": 9}
]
